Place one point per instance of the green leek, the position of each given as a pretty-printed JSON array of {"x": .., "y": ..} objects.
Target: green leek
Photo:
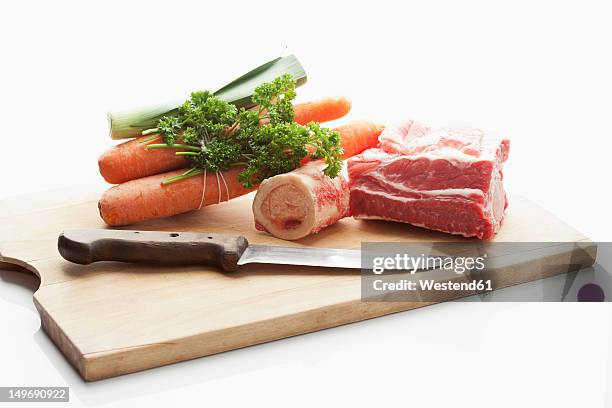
[{"x": 125, "y": 125}]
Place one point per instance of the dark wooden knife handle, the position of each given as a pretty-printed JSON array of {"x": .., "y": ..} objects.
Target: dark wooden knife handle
[{"x": 156, "y": 247}]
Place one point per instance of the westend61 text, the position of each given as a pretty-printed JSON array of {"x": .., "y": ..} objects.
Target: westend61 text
[{"x": 430, "y": 284}]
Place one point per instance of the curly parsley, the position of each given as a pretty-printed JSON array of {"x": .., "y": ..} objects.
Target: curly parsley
[{"x": 216, "y": 135}]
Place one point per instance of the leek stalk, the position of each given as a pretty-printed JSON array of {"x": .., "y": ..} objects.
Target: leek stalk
[{"x": 125, "y": 125}]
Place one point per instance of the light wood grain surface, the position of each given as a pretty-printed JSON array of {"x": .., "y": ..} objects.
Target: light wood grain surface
[{"x": 113, "y": 318}]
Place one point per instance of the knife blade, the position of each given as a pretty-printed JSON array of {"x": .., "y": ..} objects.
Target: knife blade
[
  {"x": 188, "y": 248},
  {"x": 305, "y": 256}
]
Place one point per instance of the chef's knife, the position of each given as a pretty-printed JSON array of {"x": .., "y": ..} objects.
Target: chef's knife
[{"x": 224, "y": 251}]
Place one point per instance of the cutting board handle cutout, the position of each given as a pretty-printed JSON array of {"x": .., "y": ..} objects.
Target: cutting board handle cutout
[{"x": 12, "y": 264}]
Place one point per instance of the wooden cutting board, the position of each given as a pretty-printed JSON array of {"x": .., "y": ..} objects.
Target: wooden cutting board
[{"x": 111, "y": 319}]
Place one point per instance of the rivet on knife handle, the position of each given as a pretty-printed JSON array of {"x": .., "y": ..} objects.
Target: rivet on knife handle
[{"x": 178, "y": 248}]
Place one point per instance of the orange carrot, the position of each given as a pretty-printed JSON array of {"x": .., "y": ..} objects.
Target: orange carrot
[
  {"x": 357, "y": 136},
  {"x": 132, "y": 160},
  {"x": 146, "y": 198},
  {"x": 322, "y": 110}
]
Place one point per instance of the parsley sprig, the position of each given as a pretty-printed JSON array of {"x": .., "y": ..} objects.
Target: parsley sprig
[{"x": 216, "y": 135}]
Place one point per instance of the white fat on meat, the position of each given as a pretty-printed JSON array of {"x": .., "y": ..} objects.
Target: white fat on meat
[
  {"x": 447, "y": 180},
  {"x": 293, "y": 205}
]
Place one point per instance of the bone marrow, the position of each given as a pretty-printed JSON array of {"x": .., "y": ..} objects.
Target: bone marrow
[{"x": 293, "y": 205}]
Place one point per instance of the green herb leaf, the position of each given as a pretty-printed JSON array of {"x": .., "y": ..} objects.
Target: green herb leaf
[
  {"x": 169, "y": 126},
  {"x": 216, "y": 135}
]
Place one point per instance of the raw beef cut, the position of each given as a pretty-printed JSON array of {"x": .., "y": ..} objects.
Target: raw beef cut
[
  {"x": 293, "y": 205},
  {"x": 442, "y": 179}
]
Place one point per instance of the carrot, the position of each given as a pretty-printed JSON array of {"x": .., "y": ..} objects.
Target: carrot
[
  {"x": 357, "y": 136},
  {"x": 131, "y": 160},
  {"x": 146, "y": 198},
  {"x": 322, "y": 110}
]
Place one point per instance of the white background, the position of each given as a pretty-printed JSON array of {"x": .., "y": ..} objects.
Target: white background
[{"x": 536, "y": 72}]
